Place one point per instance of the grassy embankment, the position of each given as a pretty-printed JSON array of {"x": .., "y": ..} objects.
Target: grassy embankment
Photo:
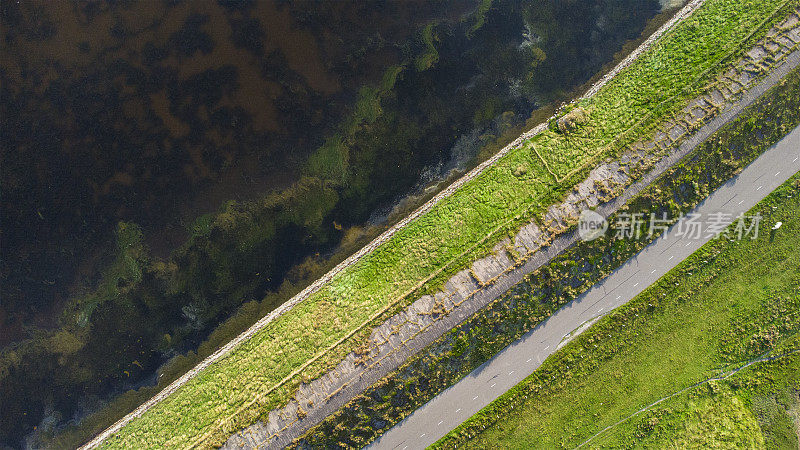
[
  {"x": 262, "y": 373},
  {"x": 503, "y": 321},
  {"x": 729, "y": 303}
]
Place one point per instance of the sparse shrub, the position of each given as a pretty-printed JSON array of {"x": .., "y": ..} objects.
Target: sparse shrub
[{"x": 572, "y": 120}]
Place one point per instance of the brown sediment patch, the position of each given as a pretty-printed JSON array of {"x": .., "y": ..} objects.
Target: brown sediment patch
[
  {"x": 160, "y": 104},
  {"x": 299, "y": 47},
  {"x": 119, "y": 178},
  {"x": 253, "y": 92}
]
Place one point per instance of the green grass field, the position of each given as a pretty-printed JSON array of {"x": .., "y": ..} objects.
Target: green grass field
[
  {"x": 262, "y": 373},
  {"x": 729, "y": 303},
  {"x": 758, "y": 407}
]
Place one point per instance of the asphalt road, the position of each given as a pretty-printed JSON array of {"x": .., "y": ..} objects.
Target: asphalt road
[{"x": 514, "y": 363}]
